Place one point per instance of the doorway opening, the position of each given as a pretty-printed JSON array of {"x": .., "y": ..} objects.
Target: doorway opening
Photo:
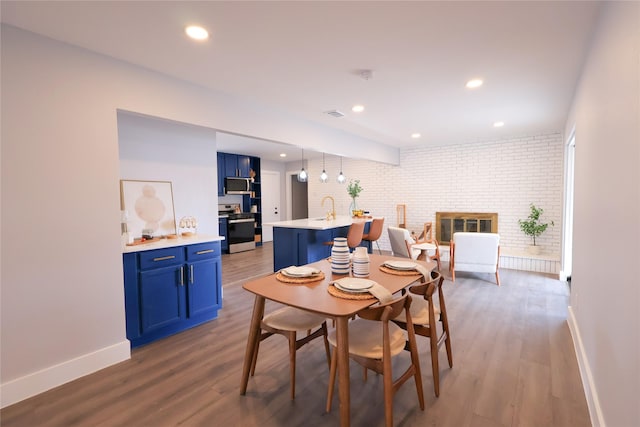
[{"x": 298, "y": 200}]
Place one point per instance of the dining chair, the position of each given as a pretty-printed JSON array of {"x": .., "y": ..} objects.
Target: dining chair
[
  {"x": 424, "y": 314},
  {"x": 354, "y": 235},
  {"x": 288, "y": 321},
  {"x": 373, "y": 341},
  {"x": 375, "y": 231}
]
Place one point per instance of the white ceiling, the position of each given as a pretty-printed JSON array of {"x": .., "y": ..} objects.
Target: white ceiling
[{"x": 305, "y": 58}]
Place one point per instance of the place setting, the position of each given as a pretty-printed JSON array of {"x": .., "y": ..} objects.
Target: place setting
[
  {"x": 358, "y": 289},
  {"x": 403, "y": 268},
  {"x": 304, "y": 274}
]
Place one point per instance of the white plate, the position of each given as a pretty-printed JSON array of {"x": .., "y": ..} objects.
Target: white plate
[
  {"x": 354, "y": 284},
  {"x": 400, "y": 265},
  {"x": 299, "y": 271},
  {"x": 352, "y": 291}
]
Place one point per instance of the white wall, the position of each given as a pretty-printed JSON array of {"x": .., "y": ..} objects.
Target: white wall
[
  {"x": 157, "y": 150},
  {"x": 62, "y": 311},
  {"x": 502, "y": 176},
  {"x": 605, "y": 296}
]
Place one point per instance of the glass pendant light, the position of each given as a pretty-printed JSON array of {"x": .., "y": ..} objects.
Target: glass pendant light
[
  {"x": 302, "y": 175},
  {"x": 323, "y": 176},
  {"x": 341, "y": 178}
]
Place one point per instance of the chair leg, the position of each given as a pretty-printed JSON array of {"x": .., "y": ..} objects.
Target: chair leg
[
  {"x": 434, "y": 361},
  {"x": 292, "y": 362},
  {"x": 497, "y": 278},
  {"x": 326, "y": 344},
  {"x": 378, "y": 245},
  {"x": 332, "y": 379},
  {"x": 388, "y": 391}
]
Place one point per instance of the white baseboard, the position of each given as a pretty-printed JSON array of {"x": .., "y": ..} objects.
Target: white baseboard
[
  {"x": 29, "y": 385},
  {"x": 590, "y": 391}
]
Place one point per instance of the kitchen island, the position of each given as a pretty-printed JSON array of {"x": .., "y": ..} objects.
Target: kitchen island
[{"x": 302, "y": 241}]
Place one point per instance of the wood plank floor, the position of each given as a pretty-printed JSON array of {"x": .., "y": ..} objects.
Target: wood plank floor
[{"x": 514, "y": 365}]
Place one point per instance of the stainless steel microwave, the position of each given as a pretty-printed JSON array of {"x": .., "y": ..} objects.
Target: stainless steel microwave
[{"x": 235, "y": 185}]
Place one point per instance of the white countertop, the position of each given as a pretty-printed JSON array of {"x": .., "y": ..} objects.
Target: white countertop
[
  {"x": 168, "y": 243},
  {"x": 318, "y": 223}
]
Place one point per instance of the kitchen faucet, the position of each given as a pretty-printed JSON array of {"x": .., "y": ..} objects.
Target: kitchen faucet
[{"x": 333, "y": 205}]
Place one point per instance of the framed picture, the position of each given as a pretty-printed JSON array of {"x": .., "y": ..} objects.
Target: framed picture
[{"x": 148, "y": 206}]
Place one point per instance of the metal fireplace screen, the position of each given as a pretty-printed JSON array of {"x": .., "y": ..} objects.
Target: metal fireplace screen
[{"x": 448, "y": 223}]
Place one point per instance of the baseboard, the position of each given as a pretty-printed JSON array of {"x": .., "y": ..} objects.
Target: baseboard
[
  {"x": 590, "y": 391},
  {"x": 29, "y": 385}
]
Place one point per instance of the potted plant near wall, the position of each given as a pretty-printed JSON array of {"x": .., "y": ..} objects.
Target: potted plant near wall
[
  {"x": 354, "y": 190},
  {"x": 534, "y": 227}
]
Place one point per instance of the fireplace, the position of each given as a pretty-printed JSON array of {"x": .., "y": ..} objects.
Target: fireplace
[{"x": 448, "y": 223}]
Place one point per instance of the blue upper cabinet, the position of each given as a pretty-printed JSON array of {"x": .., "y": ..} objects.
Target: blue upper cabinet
[{"x": 234, "y": 165}]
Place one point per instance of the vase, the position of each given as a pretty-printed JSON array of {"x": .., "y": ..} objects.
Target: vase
[
  {"x": 353, "y": 207},
  {"x": 340, "y": 262},
  {"x": 360, "y": 262}
]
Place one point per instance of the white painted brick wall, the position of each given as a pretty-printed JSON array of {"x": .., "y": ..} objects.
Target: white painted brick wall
[{"x": 494, "y": 176}]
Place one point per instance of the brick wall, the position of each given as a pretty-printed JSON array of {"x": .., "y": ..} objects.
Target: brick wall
[{"x": 495, "y": 176}]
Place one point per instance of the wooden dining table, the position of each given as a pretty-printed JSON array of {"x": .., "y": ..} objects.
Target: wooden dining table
[{"x": 314, "y": 297}]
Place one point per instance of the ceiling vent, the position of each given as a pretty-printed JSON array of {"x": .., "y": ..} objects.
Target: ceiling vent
[{"x": 334, "y": 113}]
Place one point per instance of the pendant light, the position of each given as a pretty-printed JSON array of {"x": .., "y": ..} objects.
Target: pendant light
[
  {"x": 323, "y": 176},
  {"x": 302, "y": 175},
  {"x": 341, "y": 178}
]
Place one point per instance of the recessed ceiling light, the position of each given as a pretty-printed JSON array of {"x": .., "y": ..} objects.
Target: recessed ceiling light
[
  {"x": 196, "y": 32},
  {"x": 498, "y": 124},
  {"x": 415, "y": 135},
  {"x": 357, "y": 108},
  {"x": 472, "y": 84},
  {"x": 283, "y": 155}
]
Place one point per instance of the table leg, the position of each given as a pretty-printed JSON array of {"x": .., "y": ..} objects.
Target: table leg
[
  {"x": 254, "y": 331},
  {"x": 342, "y": 350}
]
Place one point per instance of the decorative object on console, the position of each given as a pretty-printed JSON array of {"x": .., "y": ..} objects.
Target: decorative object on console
[
  {"x": 189, "y": 224},
  {"x": 534, "y": 227},
  {"x": 152, "y": 205}
]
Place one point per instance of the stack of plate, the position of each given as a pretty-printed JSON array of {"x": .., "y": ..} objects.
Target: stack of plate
[
  {"x": 400, "y": 265},
  {"x": 352, "y": 284},
  {"x": 340, "y": 261},
  {"x": 300, "y": 271}
]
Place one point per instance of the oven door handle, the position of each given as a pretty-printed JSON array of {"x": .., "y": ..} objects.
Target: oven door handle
[{"x": 236, "y": 221}]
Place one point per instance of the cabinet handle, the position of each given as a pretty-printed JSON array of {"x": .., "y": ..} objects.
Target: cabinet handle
[
  {"x": 208, "y": 251},
  {"x": 164, "y": 258},
  {"x": 191, "y": 274},
  {"x": 181, "y": 276}
]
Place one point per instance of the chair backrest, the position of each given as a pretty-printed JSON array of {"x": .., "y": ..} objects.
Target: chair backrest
[
  {"x": 388, "y": 311},
  {"x": 375, "y": 230},
  {"x": 354, "y": 236},
  {"x": 476, "y": 248},
  {"x": 399, "y": 237},
  {"x": 428, "y": 288}
]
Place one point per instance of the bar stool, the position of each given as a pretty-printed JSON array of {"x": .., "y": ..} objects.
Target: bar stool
[{"x": 375, "y": 231}]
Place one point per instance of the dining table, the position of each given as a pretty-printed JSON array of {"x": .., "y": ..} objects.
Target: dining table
[{"x": 315, "y": 296}]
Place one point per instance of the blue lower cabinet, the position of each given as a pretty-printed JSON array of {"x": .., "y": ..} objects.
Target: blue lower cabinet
[
  {"x": 222, "y": 232},
  {"x": 170, "y": 290}
]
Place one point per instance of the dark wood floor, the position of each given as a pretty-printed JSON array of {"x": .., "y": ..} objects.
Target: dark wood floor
[{"x": 514, "y": 365}]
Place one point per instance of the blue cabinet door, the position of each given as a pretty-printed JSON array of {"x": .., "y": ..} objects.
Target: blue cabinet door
[
  {"x": 244, "y": 165},
  {"x": 202, "y": 293},
  {"x": 161, "y": 298}
]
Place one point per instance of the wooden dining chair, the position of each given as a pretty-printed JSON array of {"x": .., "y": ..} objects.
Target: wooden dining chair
[
  {"x": 424, "y": 314},
  {"x": 288, "y": 321},
  {"x": 373, "y": 341},
  {"x": 375, "y": 231}
]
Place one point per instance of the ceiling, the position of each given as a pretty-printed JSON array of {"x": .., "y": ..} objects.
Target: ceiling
[{"x": 306, "y": 58}]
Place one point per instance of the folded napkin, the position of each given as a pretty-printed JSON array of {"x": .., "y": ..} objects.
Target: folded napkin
[{"x": 380, "y": 292}]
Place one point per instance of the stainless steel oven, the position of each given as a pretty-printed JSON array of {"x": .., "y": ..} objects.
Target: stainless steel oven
[{"x": 241, "y": 230}]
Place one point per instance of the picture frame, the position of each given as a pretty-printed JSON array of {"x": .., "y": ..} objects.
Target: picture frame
[{"x": 148, "y": 207}]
